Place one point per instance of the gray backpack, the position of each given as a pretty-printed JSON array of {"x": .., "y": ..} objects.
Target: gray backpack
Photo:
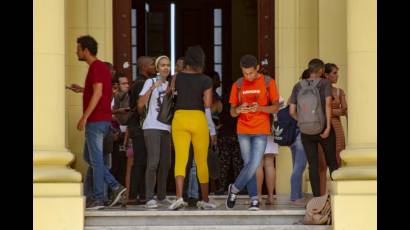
[{"x": 311, "y": 118}]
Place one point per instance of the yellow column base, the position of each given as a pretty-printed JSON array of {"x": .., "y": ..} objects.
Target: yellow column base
[
  {"x": 354, "y": 204},
  {"x": 354, "y": 190},
  {"x": 58, "y": 201},
  {"x": 58, "y": 206}
]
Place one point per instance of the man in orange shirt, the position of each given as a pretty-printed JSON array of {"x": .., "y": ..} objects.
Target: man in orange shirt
[{"x": 253, "y": 98}]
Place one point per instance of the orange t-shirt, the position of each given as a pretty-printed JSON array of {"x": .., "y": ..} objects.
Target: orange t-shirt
[{"x": 250, "y": 92}]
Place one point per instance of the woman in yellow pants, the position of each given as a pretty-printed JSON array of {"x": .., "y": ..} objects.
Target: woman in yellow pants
[{"x": 194, "y": 97}]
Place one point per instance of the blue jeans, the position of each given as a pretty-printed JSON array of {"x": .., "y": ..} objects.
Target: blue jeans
[
  {"x": 299, "y": 165},
  {"x": 88, "y": 180},
  {"x": 252, "y": 150},
  {"x": 93, "y": 155},
  {"x": 193, "y": 182}
]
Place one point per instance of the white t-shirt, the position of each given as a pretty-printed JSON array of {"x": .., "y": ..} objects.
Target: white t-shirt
[{"x": 151, "y": 121}]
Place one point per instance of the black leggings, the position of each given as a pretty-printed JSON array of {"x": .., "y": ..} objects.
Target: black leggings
[{"x": 310, "y": 143}]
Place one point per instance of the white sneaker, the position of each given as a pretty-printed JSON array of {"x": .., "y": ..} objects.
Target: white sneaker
[
  {"x": 205, "y": 205},
  {"x": 165, "y": 201},
  {"x": 177, "y": 204},
  {"x": 151, "y": 204}
]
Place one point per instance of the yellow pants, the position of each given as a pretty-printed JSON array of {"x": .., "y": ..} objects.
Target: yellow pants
[{"x": 187, "y": 126}]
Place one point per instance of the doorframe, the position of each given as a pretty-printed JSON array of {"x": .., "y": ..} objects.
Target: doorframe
[{"x": 266, "y": 35}]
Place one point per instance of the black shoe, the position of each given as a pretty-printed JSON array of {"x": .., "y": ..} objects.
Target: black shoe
[
  {"x": 230, "y": 201},
  {"x": 192, "y": 202},
  {"x": 254, "y": 205},
  {"x": 94, "y": 205},
  {"x": 117, "y": 195}
]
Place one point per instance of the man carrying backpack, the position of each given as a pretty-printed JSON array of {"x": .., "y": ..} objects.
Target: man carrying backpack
[
  {"x": 310, "y": 105},
  {"x": 253, "y": 98}
]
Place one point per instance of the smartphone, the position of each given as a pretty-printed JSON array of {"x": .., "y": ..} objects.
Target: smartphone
[{"x": 127, "y": 109}]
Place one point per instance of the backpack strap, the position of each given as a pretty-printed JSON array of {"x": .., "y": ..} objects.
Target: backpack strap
[
  {"x": 149, "y": 99},
  {"x": 316, "y": 82},
  {"x": 304, "y": 83},
  {"x": 239, "y": 85},
  {"x": 267, "y": 80}
]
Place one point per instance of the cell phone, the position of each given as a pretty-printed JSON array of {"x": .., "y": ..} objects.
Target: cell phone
[{"x": 127, "y": 109}]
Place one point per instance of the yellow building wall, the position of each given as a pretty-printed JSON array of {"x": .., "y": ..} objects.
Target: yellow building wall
[
  {"x": 296, "y": 42},
  {"x": 92, "y": 17},
  {"x": 332, "y": 41}
]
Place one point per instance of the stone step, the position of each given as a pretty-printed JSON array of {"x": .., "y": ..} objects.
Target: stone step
[
  {"x": 193, "y": 217},
  {"x": 214, "y": 227},
  {"x": 278, "y": 216}
]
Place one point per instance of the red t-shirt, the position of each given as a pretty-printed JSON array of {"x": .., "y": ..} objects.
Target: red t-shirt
[
  {"x": 254, "y": 91},
  {"x": 98, "y": 73}
]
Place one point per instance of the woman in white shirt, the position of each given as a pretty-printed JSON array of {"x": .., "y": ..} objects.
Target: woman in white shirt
[{"x": 156, "y": 134}]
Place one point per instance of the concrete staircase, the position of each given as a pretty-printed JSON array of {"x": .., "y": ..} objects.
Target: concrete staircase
[{"x": 280, "y": 216}]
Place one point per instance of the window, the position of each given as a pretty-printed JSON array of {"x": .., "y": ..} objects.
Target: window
[
  {"x": 172, "y": 38},
  {"x": 218, "y": 45},
  {"x": 134, "y": 46}
]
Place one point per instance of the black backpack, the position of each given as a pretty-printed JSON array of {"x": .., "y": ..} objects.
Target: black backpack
[{"x": 285, "y": 127}]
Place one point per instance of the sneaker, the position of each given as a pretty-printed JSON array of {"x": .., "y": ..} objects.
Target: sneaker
[
  {"x": 88, "y": 201},
  {"x": 192, "y": 202},
  {"x": 177, "y": 204},
  {"x": 205, "y": 205},
  {"x": 152, "y": 204},
  {"x": 230, "y": 201},
  {"x": 117, "y": 195},
  {"x": 165, "y": 201},
  {"x": 254, "y": 205},
  {"x": 95, "y": 205}
]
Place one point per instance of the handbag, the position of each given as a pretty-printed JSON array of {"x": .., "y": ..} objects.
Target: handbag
[
  {"x": 213, "y": 162},
  {"x": 166, "y": 109},
  {"x": 318, "y": 211}
]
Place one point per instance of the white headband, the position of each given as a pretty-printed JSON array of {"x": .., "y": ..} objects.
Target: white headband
[{"x": 158, "y": 59}]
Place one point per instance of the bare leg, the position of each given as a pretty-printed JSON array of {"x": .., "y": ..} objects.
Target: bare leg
[
  {"x": 205, "y": 192},
  {"x": 179, "y": 184},
  {"x": 270, "y": 175}
]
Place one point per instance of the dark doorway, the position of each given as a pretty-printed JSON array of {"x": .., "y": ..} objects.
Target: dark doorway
[{"x": 226, "y": 30}]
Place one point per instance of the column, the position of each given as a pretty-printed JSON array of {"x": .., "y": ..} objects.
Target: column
[
  {"x": 57, "y": 190},
  {"x": 354, "y": 191}
]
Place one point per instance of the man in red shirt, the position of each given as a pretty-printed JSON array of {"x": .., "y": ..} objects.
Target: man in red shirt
[
  {"x": 253, "y": 98},
  {"x": 96, "y": 120}
]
